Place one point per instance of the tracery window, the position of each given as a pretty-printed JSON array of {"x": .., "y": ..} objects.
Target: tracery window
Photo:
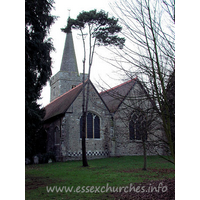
[
  {"x": 92, "y": 126},
  {"x": 137, "y": 127}
]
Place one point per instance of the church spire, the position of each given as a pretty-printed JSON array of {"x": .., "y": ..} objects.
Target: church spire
[
  {"x": 69, "y": 63},
  {"x": 68, "y": 77}
]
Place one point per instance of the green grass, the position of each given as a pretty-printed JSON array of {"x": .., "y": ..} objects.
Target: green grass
[{"x": 116, "y": 171}]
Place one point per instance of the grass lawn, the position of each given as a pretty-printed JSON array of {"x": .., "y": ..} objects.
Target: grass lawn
[{"x": 116, "y": 171}]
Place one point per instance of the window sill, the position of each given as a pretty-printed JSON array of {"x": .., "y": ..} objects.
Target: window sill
[
  {"x": 137, "y": 141},
  {"x": 91, "y": 139}
]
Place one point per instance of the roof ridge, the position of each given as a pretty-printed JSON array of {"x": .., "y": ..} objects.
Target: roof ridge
[
  {"x": 117, "y": 86},
  {"x": 64, "y": 94}
]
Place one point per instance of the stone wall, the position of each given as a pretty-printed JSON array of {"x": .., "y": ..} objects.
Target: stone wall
[
  {"x": 114, "y": 130},
  {"x": 70, "y": 142},
  {"x": 53, "y": 129},
  {"x": 123, "y": 145},
  {"x": 63, "y": 82}
]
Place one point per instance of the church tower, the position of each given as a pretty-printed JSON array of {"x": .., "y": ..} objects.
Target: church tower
[{"x": 68, "y": 77}]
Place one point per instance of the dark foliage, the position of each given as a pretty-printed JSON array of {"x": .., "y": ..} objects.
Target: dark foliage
[
  {"x": 105, "y": 31},
  {"x": 37, "y": 65}
]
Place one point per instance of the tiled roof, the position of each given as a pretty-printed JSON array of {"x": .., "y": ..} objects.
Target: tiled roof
[
  {"x": 115, "y": 96},
  {"x": 112, "y": 99},
  {"x": 62, "y": 103}
]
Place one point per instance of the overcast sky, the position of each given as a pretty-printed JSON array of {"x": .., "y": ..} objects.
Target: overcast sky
[{"x": 100, "y": 69}]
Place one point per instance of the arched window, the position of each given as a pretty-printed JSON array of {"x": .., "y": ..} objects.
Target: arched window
[
  {"x": 137, "y": 127},
  {"x": 132, "y": 130},
  {"x": 96, "y": 127},
  {"x": 92, "y": 126},
  {"x": 57, "y": 135},
  {"x": 81, "y": 126}
]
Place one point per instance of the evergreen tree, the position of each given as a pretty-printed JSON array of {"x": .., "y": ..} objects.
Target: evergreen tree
[{"x": 37, "y": 65}]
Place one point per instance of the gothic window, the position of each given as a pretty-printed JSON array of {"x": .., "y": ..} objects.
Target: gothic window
[
  {"x": 89, "y": 125},
  {"x": 54, "y": 91},
  {"x": 96, "y": 127},
  {"x": 132, "y": 130},
  {"x": 57, "y": 136},
  {"x": 138, "y": 130},
  {"x": 92, "y": 126},
  {"x": 137, "y": 127},
  {"x": 81, "y": 126}
]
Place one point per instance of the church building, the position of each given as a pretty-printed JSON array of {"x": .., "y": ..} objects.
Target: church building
[{"x": 112, "y": 122}]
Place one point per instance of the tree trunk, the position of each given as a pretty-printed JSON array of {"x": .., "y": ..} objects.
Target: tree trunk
[
  {"x": 84, "y": 158},
  {"x": 84, "y": 113},
  {"x": 145, "y": 155}
]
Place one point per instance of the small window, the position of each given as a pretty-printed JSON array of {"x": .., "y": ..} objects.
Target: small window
[
  {"x": 73, "y": 86},
  {"x": 57, "y": 136},
  {"x": 54, "y": 91}
]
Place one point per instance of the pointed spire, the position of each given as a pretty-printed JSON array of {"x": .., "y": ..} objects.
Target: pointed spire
[{"x": 69, "y": 63}]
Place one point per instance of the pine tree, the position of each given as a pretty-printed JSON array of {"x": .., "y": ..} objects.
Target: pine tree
[{"x": 102, "y": 31}]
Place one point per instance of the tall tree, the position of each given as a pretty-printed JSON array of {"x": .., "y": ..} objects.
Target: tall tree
[
  {"x": 170, "y": 90},
  {"x": 38, "y": 46},
  {"x": 149, "y": 52},
  {"x": 102, "y": 31}
]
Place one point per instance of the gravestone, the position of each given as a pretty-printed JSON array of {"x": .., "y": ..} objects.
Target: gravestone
[
  {"x": 27, "y": 161},
  {"x": 36, "y": 160}
]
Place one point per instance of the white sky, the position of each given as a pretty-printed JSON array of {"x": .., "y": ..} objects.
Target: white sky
[{"x": 99, "y": 68}]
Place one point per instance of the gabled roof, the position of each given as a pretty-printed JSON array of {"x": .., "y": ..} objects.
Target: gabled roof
[
  {"x": 115, "y": 96},
  {"x": 111, "y": 98},
  {"x": 62, "y": 103}
]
